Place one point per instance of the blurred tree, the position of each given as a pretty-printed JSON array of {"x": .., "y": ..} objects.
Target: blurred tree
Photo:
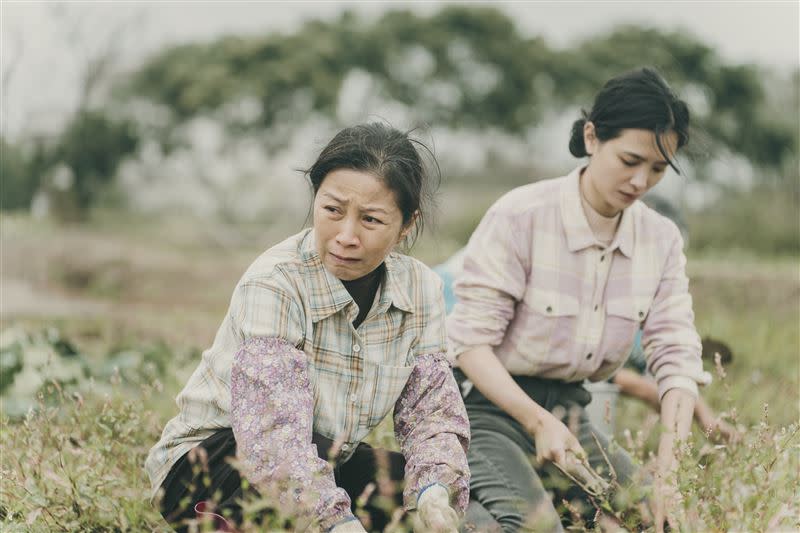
[
  {"x": 16, "y": 182},
  {"x": 92, "y": 146},
  {"x": 68, "y": 170},
  {"x": 464, "y": 66}
]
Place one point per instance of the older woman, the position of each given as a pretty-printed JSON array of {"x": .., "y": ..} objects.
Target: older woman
[{"x": 327, "y": 332}]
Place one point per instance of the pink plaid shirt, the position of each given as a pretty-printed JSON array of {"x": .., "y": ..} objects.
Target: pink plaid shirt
[{"x": 553, "y": 302}]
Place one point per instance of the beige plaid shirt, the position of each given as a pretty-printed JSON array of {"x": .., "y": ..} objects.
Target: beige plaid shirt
[
  {"x": 357, "y": 375},
  {"x": 554, "y": 302}
]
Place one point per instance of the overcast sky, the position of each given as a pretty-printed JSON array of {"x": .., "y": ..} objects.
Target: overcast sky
[{"x": 45, "y": 53}]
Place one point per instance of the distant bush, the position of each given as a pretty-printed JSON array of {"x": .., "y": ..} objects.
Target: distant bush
[
  {"x": 92, "y": 146},
  {"x": 16, "y": 183},
  {"x": 71, "y": 169},
  {"x": 763, "y": 220}
]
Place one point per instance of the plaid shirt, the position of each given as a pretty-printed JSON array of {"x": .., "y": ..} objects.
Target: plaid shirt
[
  {"x": 289, "y": 329},
  {"x": 553, "y": 302}
]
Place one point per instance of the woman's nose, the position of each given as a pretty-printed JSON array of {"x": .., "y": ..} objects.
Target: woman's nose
[
  {"x": 347, "y": 235},
  {"x": 639, "y": 180}
]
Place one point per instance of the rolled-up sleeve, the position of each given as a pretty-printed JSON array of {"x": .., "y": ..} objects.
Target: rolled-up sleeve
[
  {"x": 492, "y": 281},
  {"x": 432, "y": 429},
  {"x": 272, "y": 408},
  {"x": 430, "y": 420},
  {"x": 671, "y": 343}
]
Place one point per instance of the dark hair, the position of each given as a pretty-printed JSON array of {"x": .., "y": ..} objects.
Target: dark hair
[
  {"x": 639, "y": 99},
  {"x": 390, "y": 155}
]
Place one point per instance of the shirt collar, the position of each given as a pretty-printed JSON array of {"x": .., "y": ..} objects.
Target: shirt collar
[
  {"x": 327, "y": 294},
  {"x": 579, "y": 233}
]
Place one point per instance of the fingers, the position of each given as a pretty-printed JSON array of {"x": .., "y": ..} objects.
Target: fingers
[
  {"x": 575, "y": 447},
  {"x": 557, "y": 455},
  {"x": 438, "y": 520},
  {"x": 434, "y": 512}
]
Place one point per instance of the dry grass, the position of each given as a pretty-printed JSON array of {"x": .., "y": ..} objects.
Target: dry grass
[{"x": 77, "y": 464}]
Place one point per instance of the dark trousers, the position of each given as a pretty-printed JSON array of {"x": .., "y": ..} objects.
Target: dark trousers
[
  {"x": 508, "y": 492},
  {"x": 205, "y": 474}
]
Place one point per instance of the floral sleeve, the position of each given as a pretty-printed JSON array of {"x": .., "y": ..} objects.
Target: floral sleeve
[
  {"x": 272, "y": 420},
  {"x": 432, "y": 429}
]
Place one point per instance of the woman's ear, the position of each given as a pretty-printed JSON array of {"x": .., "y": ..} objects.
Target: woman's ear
[
  {"x": 590, "y": 140},
  {"x": 408, "y": 228}
]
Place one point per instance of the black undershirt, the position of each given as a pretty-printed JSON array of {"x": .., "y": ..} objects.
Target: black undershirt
[{"x": 363, "y": 291}]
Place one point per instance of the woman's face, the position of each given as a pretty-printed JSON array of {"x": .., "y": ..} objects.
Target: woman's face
[
  {"x": 357, "y": 223},
  {"x": 622, "y": 169}
]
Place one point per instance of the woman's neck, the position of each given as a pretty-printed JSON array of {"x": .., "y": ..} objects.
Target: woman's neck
[
  {"x": 603, "y": 227},
  {"x": 590, "y": 195}
]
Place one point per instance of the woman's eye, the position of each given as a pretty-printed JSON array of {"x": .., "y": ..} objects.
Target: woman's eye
[
  {"x": 372, "y": 220},
  {"x": 629, "y": 163},
  {"x": 330, "y": 209}
]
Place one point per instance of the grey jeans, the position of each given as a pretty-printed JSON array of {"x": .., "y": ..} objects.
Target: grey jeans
[{"x": 508, "y": 493}]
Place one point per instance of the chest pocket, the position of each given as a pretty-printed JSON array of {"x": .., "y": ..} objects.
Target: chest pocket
[
  {"x": 385, "y": 383},
  {"x": 624, "y": 317},
  {"x": 551, "y": 303},
  {"x": 544, "y": 327}
]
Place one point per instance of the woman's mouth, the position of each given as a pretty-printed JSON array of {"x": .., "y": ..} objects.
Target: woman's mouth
[
  {"x": 343, "y": 260},
  {"x": 629, "y": 197}
]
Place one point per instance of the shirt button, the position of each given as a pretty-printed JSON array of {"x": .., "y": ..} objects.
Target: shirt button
[
  {"x": 602, "y": 258},
  {"x": 345, "y": 447},
  {"x": 589, "y": 356},
  {"x": 595, "y": 307},
  {"x": 353, "y": 398},
  {"x": 641, "y": 314},
  {"x": 549, "y": 309},
  {"x": 356, "y": 348}
]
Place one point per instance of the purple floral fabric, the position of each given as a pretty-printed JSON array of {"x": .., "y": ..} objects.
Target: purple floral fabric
[
  {"x": 272, "y": 419},
  {"x": 432, "y": 428}
]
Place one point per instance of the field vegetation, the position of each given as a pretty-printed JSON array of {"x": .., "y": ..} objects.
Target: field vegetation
[{"x": 121, "y": 300}]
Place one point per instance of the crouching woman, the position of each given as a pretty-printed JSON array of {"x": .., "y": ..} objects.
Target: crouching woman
[{"x": 326, "y": 333}]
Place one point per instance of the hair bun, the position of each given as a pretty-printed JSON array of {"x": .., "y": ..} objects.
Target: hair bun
[{"x": 576, "y": 145}]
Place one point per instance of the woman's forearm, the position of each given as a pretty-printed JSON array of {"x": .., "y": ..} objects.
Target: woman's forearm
[
  {"x": 633, "y": 384},
  {"x": 677, "y": 409},
  {"x": 273, "y": 433},
  {"x": 491, "y": 378}
]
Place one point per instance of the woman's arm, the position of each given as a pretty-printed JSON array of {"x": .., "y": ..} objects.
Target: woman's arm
[
  {"x": 432, "y": 428},
  {"x": 633, "y": 384},
  {"x": 491, "y": 378},
  {"x": 645, "y": 389},
  {"x": 672, "y": 347},
  {"x": 677, "y": 406},
  {"x": 272, "y": 419}
]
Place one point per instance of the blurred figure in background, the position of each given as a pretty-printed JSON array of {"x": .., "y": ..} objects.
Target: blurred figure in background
[
  {"x": 557, "y": 279},
  {"x": 328, "y": 332}
]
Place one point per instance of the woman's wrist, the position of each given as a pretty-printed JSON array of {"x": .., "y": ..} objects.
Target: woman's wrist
[{"x": 533, "y": 418}]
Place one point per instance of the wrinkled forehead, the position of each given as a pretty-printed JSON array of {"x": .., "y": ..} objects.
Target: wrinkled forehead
[{"x": 358, "y": 188}]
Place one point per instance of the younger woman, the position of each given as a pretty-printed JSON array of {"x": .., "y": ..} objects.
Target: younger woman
[{"x": 556, "y": 281}]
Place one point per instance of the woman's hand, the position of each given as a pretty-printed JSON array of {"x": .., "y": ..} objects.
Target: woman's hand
[
  {"x": 720, "y": 431},
  {"x": 434, "y": 513},
  {"x": 724, "y": 432},
  {"x": 555, "y": 443},
  {"x": 677, "y": 408},
  {"x": 713, "y": 426},
  {"x": 351, "y": 526}
]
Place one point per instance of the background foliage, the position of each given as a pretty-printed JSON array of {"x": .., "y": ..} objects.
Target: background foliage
[{"x": 124, "y": 232}]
